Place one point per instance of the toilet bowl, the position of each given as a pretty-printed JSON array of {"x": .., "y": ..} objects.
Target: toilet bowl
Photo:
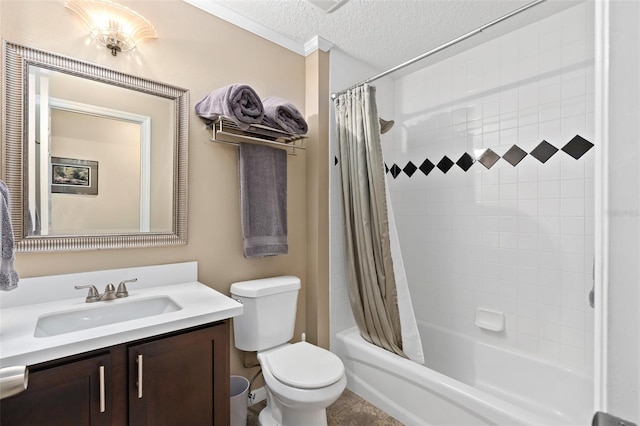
[{"x": 301, "y": 379}]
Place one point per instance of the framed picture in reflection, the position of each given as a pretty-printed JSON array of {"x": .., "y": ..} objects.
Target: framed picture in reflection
[{"x": 73, "y": 176}]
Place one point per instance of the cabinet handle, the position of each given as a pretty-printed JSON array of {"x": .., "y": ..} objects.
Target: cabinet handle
[
  {"x": 139, "y": 361},
  {"x": 102, "y": 393}
]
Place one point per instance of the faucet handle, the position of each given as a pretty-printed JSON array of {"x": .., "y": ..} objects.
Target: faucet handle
[
  {"x": 122, "y": 288},
  {"x": 93, "y": 295}
]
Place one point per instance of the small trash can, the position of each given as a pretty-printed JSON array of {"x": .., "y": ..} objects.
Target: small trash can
[{"x": 239, "y": 400}]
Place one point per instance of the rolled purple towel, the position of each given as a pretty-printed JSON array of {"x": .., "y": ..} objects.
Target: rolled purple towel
[
  {"x": 239, "y": 102},
  {"x": 282, "y": 114}
]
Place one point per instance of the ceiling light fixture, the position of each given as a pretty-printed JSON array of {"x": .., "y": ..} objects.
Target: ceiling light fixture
[{"x": 115, "y": 26}]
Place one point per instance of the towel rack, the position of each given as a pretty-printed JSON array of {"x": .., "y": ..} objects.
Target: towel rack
[{"x": 227, "y": 132}]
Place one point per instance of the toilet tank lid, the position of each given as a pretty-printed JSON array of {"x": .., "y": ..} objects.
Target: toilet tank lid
[{"x": 265, "y": 286}]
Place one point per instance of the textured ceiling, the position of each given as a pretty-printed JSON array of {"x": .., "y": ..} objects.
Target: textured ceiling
[{"x": 381, "y": 33}]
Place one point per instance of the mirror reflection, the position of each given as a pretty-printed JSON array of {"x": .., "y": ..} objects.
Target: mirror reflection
[{"x": 94, "y": 170}]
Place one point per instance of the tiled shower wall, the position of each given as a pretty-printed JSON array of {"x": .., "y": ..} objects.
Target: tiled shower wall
[{"x": 506, "y": 220}]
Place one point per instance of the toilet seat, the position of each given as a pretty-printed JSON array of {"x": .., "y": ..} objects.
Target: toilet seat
[{"x": 304, "y": 366}]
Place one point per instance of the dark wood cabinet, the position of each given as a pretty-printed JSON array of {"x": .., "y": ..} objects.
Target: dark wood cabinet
[
  {"x": 173, "y": 381},
  {"x": 73, "y": 393},
  {"x": 180, "y": 378}
]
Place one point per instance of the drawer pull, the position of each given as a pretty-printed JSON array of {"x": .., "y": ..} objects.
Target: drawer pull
[
  {"x": 139, "y": 361},
  {"x": 102, "y": 392}
]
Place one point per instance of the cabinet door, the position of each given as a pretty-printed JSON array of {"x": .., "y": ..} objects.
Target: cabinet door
[
  {"x": 75, "y": 393},
  {"x": 181, "y": 380}
]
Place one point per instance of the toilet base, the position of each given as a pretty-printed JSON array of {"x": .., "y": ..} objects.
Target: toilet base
[{"x": 293, "y": 418}]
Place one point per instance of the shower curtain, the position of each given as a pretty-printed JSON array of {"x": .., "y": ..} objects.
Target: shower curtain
[{"x": 376, "y": 279}]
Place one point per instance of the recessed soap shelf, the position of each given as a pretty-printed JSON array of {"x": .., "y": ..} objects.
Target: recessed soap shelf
[
  {"x": 489, "y": 319},
  {"x": 227, "y": 132}
]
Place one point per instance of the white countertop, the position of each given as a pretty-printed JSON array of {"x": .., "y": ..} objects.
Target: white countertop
[{"x": 18, "y": 345}]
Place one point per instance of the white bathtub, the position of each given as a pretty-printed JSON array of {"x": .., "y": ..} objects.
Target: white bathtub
[{"x": 465, "y": 382}]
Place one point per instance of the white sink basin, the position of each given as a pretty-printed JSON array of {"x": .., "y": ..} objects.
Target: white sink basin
[{"x": 103, "y": 313}]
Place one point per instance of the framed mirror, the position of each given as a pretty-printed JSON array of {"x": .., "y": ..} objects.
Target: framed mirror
[{"x": 93, "y": 158}]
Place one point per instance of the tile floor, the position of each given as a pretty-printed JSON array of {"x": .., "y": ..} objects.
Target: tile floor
[{"x": 349, "y": 410}]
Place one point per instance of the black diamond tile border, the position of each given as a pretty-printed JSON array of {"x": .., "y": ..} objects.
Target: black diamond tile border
[
  {"x": 514, "y": 155},
  {"x": 544, "y": 151},
  {"x": 426, "y": 167},
  {"x": 577, "y": 147},
  {"x": 465, "y": 162},
  {"x": 410, "y": 169},
  {"x": 445, "y": 164},
  {"x": 395, "y": 170},
  {"x": 488, "y": 158}
]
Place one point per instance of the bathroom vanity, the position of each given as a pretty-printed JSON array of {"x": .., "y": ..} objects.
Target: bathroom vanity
[
  {"x": 159, "y": 368},
  {"x": 176, "y": 378}
]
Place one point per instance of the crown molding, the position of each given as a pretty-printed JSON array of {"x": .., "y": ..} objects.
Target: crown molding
[
  {"x": 317, "y": 43},
  {"x": 260, "y": 30},
  {"x": 247, "y": 24}
]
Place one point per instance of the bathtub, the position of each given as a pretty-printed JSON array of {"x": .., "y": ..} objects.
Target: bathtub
[{"x": 465, "y": 382}]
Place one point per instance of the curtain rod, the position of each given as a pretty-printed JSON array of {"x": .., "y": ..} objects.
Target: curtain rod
[{"x": 442, "y": 47}]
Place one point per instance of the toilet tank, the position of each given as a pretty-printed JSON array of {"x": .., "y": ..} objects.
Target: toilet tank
[{"x": 269, "y": 312}]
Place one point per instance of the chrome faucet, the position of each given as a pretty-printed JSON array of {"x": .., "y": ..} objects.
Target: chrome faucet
[{"x": 109, "y": 292}]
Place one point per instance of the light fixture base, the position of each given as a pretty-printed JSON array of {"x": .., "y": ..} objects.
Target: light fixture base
[{"x": 114, "y": 49}]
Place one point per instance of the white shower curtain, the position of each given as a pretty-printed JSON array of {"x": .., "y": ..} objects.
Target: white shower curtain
[{"x": 411, "y": 341}]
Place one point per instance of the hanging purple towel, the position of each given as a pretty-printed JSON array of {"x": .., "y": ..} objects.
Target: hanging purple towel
[{"x": 263, "y": 198}]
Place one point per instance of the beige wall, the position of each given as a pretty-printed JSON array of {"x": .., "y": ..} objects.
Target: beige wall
[
  {"x": 115, "y": 145},
  {"x": 317, "y": 107},
  {"x": 199, "y": 52}
]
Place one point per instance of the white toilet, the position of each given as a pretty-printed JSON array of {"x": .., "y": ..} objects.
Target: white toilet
[{"x": 302, "y": 380}]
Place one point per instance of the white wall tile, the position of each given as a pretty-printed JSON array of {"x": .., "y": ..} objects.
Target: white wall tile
[
  {"x": 550, "y": 111},
  {"x": 550, "y": 60},
  {"x": 572, "y": 337},
  {"x": 549, "y": 313},
  {"x": 549, "y": 349},
  {"x": 527, "y": 96},
  {"x": 549, "y": 189},
  {"x": 572, "y": 356},
  {"x": 549, "y": 92},
  {"x": 572, "y": 207},
  {"x": 574, "y": 52},
  {"x": 548, "y": 207},
  {"x": 550, "y": 331},
  {"x": 527, "y": 343}
]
